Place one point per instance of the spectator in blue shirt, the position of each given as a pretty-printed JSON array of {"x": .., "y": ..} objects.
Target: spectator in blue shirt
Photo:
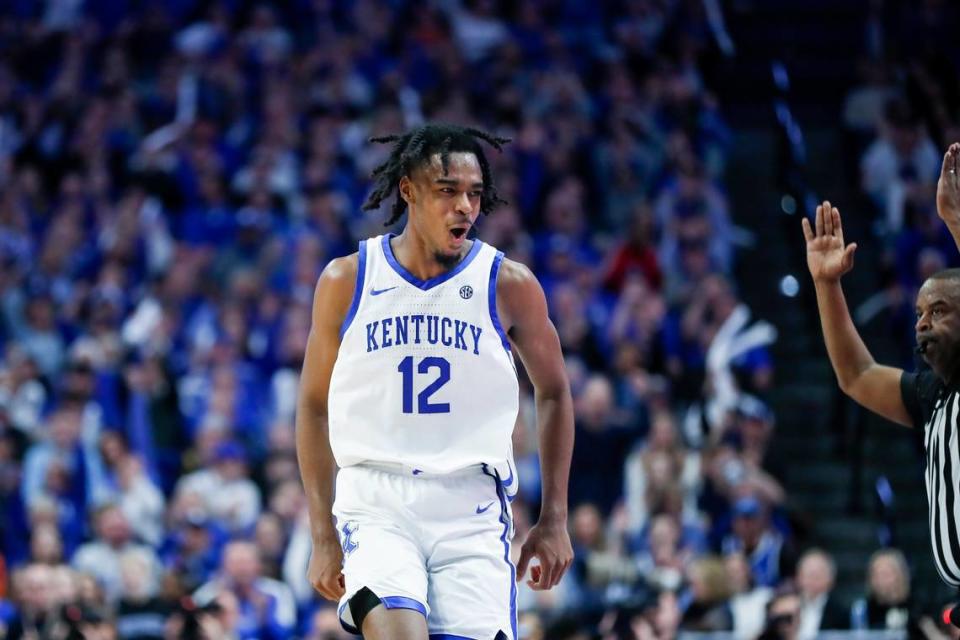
[{"x": 267, "y": 610}]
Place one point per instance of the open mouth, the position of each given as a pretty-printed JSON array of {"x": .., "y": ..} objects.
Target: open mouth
[
  {"x": 459, "y": 233},
  {"x": 924, "y": 345}
]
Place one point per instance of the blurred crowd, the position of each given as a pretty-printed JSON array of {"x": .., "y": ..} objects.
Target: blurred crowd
[
  {"x": 173, "y": 178},
  {"x": 898, "y": 121}
]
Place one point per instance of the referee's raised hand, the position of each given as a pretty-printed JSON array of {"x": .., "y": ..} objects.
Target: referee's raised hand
[
  {"x": 828, "y": 257},
  {"x": 948, "y": 188}
]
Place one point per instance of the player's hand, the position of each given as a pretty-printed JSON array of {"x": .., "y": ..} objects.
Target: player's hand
[
  {"x": 549, "y": 543},
  {"x": 324, "y": 571},
  {"x": 948, "y": 186},
  {"x": 828, "y": 257}
]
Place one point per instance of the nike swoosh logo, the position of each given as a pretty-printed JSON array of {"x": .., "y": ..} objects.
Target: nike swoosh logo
[
  {"x": 376, "y": 292},
  {"x": 481, "y": 510}
]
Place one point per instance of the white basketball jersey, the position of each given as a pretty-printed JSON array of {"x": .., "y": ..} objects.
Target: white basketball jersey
[{"x": 424, "y": 377}]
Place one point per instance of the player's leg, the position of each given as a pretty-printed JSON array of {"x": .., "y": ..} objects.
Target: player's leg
[
  {"x": 394, "y": 624},
  {"x": 472, "y": 587},
  {"x": 388, "y": 618},
  {"x": 384, "y": 569}
]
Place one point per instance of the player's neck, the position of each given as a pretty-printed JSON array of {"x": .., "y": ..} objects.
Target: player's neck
[{"x": 416, "y": 257}]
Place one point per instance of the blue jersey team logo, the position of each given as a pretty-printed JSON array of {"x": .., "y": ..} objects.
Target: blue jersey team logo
[
  {"x": 466, "y": 292},
  {"x": 348, "y": 529}
]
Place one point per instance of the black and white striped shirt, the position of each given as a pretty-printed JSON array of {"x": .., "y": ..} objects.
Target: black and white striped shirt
[{"x": 931, "y": 404}]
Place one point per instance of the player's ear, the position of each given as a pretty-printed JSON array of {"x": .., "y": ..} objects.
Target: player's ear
[{"x": 407, "y": 190}]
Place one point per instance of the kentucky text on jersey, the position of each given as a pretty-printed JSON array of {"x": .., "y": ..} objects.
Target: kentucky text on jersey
[{"x": 423, "y": 329}]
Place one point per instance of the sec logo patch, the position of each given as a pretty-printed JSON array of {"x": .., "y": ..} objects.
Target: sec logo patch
[{"x": 466, "y": 292}]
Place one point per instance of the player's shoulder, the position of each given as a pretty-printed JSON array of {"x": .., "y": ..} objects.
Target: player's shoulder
[
  {"x": 520, "y": 297},
  {"x": 515, "y": 274},
  {"x": 343, "y": 268},
  {"x": 518, "y": 289},
  {"x": 338, "y": 279}
]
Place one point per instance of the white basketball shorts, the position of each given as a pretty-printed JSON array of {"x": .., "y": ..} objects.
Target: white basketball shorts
[{"x": 439, "y": 545}]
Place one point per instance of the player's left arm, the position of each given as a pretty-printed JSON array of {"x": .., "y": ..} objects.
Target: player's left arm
[
  {"x": 522, "y": 308},
  {"x": 948, "y": 191}
]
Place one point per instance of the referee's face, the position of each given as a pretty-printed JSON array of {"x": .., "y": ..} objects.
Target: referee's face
[{"x": 938, "y": 326}]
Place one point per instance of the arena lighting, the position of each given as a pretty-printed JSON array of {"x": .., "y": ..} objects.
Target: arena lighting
[
  {"x": 789, "y": 286},
  {"x": 788, "y": 204}
]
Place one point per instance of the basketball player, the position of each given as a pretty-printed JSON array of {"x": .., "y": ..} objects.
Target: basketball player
[
  {"x": 929, "y": 400},
  {"x": 409, "y": 386}
]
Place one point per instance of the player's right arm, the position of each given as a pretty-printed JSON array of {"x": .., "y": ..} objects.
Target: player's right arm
[
  {"x": 875, "y": 386},
  {"x": 331, "y": 300}
]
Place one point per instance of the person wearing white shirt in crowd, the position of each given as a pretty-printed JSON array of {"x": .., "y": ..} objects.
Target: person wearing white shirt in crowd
[
  {"x": 640, "y": 471},
  {"x": 818, "y": 610},
  {"x": 140, "y": 500},
  {"x": 230, "y": 497},
  {"x": 22, "y": 395},
  {"x": 101, "y": 557},
  {"x": 749, "y": 601},
  {"x": 901, "y": 161},
  {"x": 297, "y": 558}
]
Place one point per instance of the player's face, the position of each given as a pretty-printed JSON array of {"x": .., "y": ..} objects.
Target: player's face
[
  {"x": 444, "y": 206},
  {"x": 938, "y": 326}
]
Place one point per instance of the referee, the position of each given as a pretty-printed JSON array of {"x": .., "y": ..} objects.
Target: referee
[{"x": 930, "y": 399}]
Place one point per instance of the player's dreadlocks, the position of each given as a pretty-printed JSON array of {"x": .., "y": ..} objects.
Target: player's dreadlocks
[{"x": 415, "y": 148}]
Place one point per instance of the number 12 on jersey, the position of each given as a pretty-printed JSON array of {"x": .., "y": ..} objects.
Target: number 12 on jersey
[{"x": 423, "y": 398}]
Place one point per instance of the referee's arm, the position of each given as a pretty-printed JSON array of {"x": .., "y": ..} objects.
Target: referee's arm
[{"x": 875, "y": 386}]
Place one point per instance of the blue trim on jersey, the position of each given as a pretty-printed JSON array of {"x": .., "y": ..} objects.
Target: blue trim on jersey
[
  {"x": 390, "y": 602},
  {"x": 357, "y": 290},
  {"x": 492, "y": 300},
  {"x": 506, "y": 551},
  {"x": 401, "y": 602},
  {"x": 425, "y": 285},
  {"x": 447, "y": 636},
  {"x": 508, "y": 483}
]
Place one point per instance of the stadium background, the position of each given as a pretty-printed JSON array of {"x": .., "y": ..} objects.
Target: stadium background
[{"x": 176, "y": 174}]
